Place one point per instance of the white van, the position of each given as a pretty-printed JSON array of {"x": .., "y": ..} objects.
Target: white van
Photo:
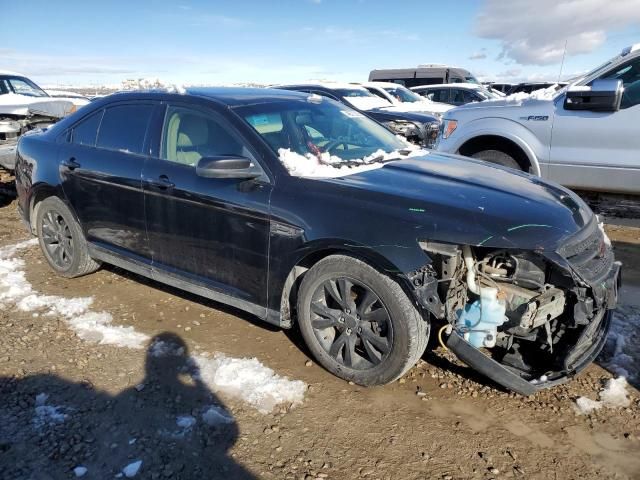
[{"x": 429, "y": 74}]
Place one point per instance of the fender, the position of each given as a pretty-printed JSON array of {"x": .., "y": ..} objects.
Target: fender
[{"x": 536, "y": 151}]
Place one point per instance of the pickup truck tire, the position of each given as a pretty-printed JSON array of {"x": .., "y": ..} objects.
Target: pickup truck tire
[
  {"x": 359, "y": 323},
  {"x": 498, "y": 157}
]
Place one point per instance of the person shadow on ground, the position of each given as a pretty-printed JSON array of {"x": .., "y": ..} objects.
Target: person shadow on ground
[{"x": 171, "y": 422}]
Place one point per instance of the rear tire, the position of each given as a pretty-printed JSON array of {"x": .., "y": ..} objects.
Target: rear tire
[
  {"x": 62, "y": 241},
  {"x": 498, "y": 157},
  {"x": 370, "y": 336}
]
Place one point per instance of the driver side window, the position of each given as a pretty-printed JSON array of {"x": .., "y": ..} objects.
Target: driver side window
[
  {"x": 189, "y": 135},
  {"x": 629, "y": 73}
]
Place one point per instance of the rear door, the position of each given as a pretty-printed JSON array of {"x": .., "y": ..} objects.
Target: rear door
[
  {"x": 600, "y": 150},
  {"x": 100, "y": 167},
  {"x": 212, "y": 232}
]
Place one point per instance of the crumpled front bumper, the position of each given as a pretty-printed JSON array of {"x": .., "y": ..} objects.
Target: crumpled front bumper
[{"x": 585, "y": 351}]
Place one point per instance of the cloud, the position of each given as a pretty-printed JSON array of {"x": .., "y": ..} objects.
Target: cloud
[
  {"x": 534, "y": 33},
  {"x": 482, "y": 54}
]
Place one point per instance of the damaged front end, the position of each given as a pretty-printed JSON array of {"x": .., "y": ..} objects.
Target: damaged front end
[
  {"x": 16, "y": 120},
  {"x": 526, "y": 319}
]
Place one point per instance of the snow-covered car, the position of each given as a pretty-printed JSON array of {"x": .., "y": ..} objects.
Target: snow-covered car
[
  {"x": 24, "y": 106},
  {"x": 78, "y": 99},
  {"x": 584, "y": 136},
  {"x": 417, "y": 127},
  {"x": 456, "y": 93},
  {"x": 404, "y": 99}
]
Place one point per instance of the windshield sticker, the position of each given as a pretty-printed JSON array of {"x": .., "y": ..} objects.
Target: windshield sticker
[
  {"x": 257, "y": 120},
  {"x": 351, "y": 114}
]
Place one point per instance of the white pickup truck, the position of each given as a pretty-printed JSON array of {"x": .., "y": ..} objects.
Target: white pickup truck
[{"x": 585, "y": 136}]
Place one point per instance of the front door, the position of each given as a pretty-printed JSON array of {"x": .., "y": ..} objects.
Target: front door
[
  {"x": 599, "y": 150},
  {"x": 100, "y": 167},
  {"x": 213, "y": 232}
]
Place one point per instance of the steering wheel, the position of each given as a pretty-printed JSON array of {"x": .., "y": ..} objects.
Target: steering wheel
[{"x": 329, "y": 147}]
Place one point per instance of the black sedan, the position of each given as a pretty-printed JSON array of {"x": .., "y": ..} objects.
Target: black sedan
[{"x": 301, "y": 210}]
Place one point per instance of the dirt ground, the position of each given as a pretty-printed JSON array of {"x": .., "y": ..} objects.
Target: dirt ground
[{"x": 441, "y": 421}]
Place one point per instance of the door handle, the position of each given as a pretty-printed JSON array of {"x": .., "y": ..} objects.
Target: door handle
[
  {"x": 162, "y": 182},
  {"x": 70, "y": 164}
]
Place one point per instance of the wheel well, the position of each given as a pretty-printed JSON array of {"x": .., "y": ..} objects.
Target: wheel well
[
  {"x": 292, "y": 283},
  {"x": 37, "y": 198},
  {"x": 289, "y": 296},
  {"x": 494, "y": 142}
]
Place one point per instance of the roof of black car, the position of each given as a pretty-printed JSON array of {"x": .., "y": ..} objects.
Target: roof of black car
[
  {"x": 230, "y": 96},
  {"x": 235, "y": 96}
]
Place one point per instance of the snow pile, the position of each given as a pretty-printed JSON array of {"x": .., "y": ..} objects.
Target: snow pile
[
  {"x": 621, "y": 354},
  {"x": 519, "y": 97},
  {"x": 326, "y": 165},
  {"x": 613, "y": 395},
  {"x": 249, "y": 380},
  {"x": 45, "y": 415},
  {"x": 93, "y": 326}
]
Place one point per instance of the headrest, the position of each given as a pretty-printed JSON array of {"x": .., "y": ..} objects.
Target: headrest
[{"x": 193, "y": 131}]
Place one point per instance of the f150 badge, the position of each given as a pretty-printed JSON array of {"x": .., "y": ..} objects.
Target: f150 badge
[{"x": 536, "y": 118}]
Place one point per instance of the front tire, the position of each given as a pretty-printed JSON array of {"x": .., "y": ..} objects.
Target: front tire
[
  {"x": 358, "y": 323},
  {"x": 498, "y": 157},
  {"x": 62, "y": 241}
]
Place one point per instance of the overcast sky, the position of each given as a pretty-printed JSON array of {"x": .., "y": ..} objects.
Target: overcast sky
[{"x": 188, "y": 41}]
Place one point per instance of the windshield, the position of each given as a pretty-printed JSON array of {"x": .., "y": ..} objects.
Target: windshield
[
  {"x": 361, "y": 98},
  {"x": 403, "y": 94},
  {"x": 20, "y": 86},
  {"x": 471, "y": 79},
  {"x": 321, "y": 131}
]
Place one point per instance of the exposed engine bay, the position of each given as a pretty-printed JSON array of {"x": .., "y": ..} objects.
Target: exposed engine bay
[
  {"x": 527, "y": 320},
  {"x": 13, "y": 127}
]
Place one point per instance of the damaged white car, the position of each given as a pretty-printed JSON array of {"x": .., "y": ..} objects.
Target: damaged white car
[{"x": 24, "y": 106}]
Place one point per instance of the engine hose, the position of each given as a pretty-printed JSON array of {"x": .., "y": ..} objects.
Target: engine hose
[{"x": 442, "y": 329}]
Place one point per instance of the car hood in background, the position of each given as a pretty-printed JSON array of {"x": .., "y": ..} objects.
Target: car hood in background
[
  {"x": 23, "y": 105},
  {"x": 427, "y": 107},
  {"x": 463, "y": 201}
]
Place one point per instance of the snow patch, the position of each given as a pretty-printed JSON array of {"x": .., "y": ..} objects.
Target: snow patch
[
  {"x": 185, "y": 421},
  {"x": 89, "y": 325},
  {"x": 215, "y": 415},
  {"x": 132, "y": 469},
  {"x": 46, "y": 415},
  {"x": 519, "y": 97},
  {"x": 326, "y": 165},
  {"x": 621, "y": 354},
  {"x": 80, "y": 471},
  {"x": 613, "y": 395},
  {"x": 160, "y": 348},
  {"x": 249, "y": 380}
]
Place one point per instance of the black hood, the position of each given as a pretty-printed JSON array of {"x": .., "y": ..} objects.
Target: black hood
[{"x": 458, "y": 200}]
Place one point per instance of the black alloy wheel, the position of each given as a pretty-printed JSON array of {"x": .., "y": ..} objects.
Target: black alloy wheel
[{"x": 351, "y": 323}]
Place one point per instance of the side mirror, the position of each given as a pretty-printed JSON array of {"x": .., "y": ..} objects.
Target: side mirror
[
  {"x": 601, "y": 96},
  {"x": 226, "y": 166}
]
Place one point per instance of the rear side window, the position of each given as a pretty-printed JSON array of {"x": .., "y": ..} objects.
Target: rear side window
[
  {"x": 124, "y": 128},
  {"x": 441, "y": 95},
  {"x": 85, "y": 132}
]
